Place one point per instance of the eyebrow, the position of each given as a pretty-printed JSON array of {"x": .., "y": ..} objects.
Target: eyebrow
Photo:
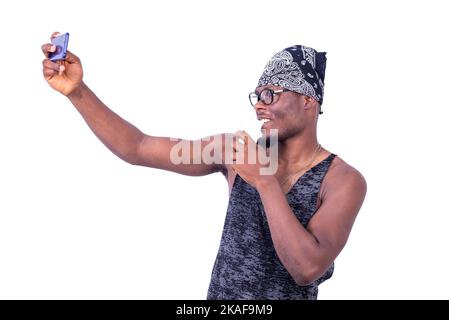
[{"x": 262, "y": 89}]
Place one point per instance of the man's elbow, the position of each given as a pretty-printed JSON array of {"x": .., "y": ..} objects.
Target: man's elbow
[
  {"x": 307, "y": 276},
  {"x": 133, "y": 161},
  {"x": 130, "y": 157},
  {"x": 133, "y": 155},
  {"x": 303, "y": 281}
]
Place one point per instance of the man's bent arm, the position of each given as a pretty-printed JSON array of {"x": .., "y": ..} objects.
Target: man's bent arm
[{"x": 306, "y": 253}]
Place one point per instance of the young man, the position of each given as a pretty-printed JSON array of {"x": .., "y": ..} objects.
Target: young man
[{"x": 283, "y": 230}]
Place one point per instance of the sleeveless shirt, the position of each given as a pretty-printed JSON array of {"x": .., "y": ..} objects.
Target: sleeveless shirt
[{"x": 247, "y": 266}]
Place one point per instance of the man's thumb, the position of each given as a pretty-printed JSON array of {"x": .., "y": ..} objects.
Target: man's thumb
[{"x": 244, "y": 135}]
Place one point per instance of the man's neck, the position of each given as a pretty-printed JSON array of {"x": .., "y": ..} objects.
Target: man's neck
[{"x": 298, "y": 150}]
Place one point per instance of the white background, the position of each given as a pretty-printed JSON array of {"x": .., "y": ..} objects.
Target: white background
[{"x": 77, "y": 222}]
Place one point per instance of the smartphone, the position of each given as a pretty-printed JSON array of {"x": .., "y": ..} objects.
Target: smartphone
[{"x": 61, "y": 42}]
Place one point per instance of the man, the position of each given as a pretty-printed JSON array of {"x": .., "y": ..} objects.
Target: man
[{"x": 283, "y": 230}]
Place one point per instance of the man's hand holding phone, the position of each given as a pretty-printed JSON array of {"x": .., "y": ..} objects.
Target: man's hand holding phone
[{"x": 65, "y": 74}]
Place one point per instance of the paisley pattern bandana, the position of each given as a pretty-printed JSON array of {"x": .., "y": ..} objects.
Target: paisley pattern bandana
[{"x": 298, "y": 68}]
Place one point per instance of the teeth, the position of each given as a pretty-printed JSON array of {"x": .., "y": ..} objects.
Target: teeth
[{"x": 265, "y": 120}]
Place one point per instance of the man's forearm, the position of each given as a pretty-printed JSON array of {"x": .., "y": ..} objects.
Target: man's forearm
[{"x": 121, "y": 137}]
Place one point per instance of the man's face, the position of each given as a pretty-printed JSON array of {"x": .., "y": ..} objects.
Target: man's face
[{"x": 286, "y": 113}]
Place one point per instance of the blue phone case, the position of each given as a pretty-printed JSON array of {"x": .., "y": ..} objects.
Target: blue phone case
[{"x": 61, "y": 42}]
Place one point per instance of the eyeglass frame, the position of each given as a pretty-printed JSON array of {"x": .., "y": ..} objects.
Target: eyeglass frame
[{"x": 273, "y": 93}]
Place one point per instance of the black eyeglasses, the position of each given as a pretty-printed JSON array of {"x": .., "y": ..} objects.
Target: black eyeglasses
[{"x": 266, "y": 96}]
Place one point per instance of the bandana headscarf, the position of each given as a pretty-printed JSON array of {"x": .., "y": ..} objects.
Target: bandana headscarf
[{"x": 298, "y": 68}]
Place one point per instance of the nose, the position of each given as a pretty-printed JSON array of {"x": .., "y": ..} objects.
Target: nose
[
  {"x": 262, "y": 110},
  {"x": 260, "y": 106}
]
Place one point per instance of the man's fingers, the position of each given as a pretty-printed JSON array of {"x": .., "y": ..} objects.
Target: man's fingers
[
  {"x": 247, "y": 136},
  {"x": 70, "y": 57},
  {"x": 48, "y": 48},
  {"x": 48, "y": 73},
  {"x": 240, "y": 138},
  {"x": 54, "y": 35},
  {"x": 47, "y": 63},
  {"x": 243, "y": 137}
]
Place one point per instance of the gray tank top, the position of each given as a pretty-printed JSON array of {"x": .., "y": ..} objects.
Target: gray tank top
[{"x": 247, "y": 266}]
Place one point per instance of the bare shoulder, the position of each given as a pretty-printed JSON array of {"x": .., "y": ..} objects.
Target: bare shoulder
[
  {"x": 343, "y": 192},
  {"x": 343, "y": 177}
]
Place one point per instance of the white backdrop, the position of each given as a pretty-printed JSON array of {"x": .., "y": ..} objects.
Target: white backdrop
[{"x": 77, "y": 222}]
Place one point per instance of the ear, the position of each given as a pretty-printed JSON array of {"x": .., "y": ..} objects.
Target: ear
[{"x": 309, "y": 102}]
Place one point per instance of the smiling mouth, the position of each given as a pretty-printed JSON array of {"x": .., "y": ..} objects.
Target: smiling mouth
[{"x": 265, "y": 123}]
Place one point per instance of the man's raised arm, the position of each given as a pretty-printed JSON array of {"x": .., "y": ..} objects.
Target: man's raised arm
[{"x": 122, "y": 138}]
